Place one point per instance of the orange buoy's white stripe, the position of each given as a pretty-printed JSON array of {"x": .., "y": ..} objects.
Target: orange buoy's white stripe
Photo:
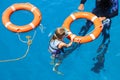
[
  {"x": 7, "y": 24},
  {"x": 13, "y": 8},
  {"x": 32, "y": 25},
  {"x": 33, "y": 9},
  {"x": 93, "y": 18},
  {"x": 92, "y": 36},
  {"x": 73, "y": 17}
]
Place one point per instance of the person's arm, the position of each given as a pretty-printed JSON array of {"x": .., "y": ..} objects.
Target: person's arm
[
  {"x": 62, "y": 44},
  {"x": 102, "y": 18},
  {"x": 83, "y": 1},
  {"x": 81, "y": 6},
  {"x": 114, "y": 10}
]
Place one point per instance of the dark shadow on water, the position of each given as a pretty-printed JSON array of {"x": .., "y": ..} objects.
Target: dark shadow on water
[
  {"x": 103, "y": 47},
  {"x": 68, "y": 51},
  {"x": 100, "y": 58},
  {"x": 102, "y": 50}
]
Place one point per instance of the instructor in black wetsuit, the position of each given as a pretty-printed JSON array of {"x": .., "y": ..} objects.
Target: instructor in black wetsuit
[{"x": 105, "y": 10}]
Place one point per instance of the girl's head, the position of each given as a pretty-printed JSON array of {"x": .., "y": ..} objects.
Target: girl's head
[{"x": 59, "y": 33}]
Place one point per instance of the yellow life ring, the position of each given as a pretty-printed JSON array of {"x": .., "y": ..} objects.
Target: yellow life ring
[
  {"x": 21, "y": 6},
  {"x": 87, "y": 38}
]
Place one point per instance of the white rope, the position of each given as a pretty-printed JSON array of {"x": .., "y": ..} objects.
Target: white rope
[
  {"x": 19, "y": 58},
  {"x": 42, "y": 28},
  {"x": 21, "y": 39},
  {"x": 34, "y": 35}
]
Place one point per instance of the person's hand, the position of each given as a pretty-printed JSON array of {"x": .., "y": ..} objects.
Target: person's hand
[
  {"x": 72, "y": 37},
  {"x": 102, "y": 18},
  {"x": 81, "y": 7}
]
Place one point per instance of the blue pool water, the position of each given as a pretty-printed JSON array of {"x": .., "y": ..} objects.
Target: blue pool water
[{"x": 82, "y": 64}]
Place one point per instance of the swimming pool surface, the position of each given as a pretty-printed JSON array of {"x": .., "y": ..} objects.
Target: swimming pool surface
[{"x": 84, "y": 63}]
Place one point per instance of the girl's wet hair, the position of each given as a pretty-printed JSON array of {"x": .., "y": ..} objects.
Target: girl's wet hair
[{"x": 59, "y": 33}]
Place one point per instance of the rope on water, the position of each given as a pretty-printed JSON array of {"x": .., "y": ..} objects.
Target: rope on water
[{"x": 28, "y": 42}]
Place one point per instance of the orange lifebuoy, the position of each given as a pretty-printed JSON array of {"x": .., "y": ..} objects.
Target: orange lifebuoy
[
  {"x": 21, "y": 6},
  {"x": 87, "y": 38}
]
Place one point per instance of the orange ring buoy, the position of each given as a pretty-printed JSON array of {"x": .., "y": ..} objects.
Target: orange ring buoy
[
  {"x": 87, "y": 38},
  {"x": 21, "y": 6}
]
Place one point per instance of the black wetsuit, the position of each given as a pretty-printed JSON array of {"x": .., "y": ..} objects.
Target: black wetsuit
[
  {"x": 106, "y": 5},
  {"x": 103, "y": 8}
]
